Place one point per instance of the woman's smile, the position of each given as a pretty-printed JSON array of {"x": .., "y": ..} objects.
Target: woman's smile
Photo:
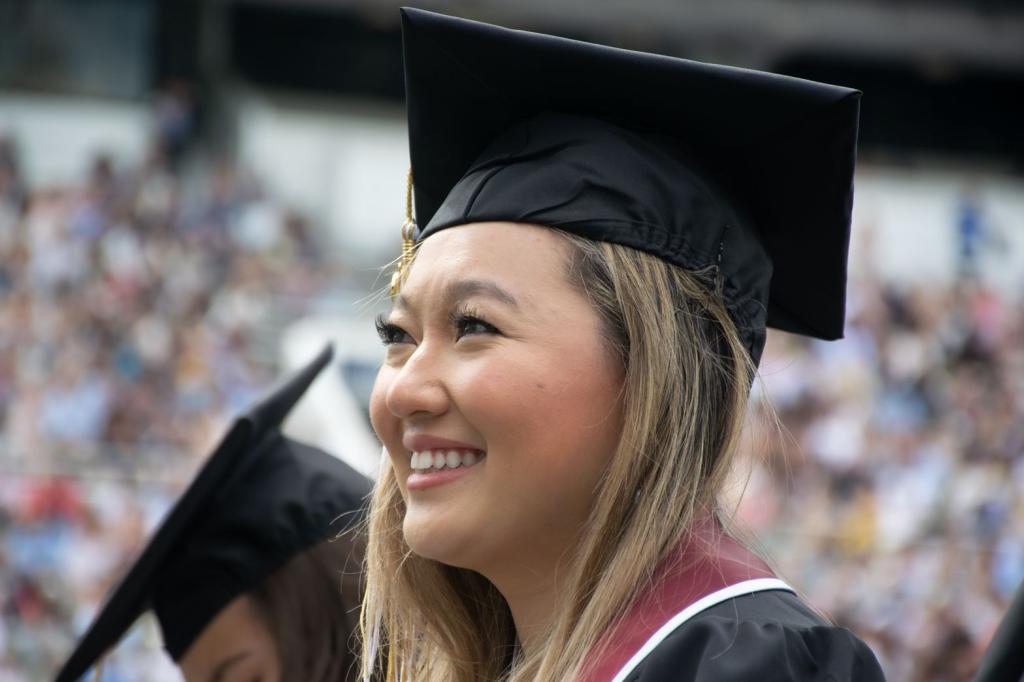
[
  {"x": 434, "y": 467},
  {"x": 434, "y": 460}
]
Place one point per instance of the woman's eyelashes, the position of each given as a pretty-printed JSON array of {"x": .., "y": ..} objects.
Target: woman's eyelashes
[
  {"x": 463, "y": 323},
  {"x": 467, "y": 322},
  {"x": 390, "y": 333}
]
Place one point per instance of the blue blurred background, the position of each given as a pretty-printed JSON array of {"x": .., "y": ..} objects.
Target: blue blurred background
[{"x": 195, "y": 195}]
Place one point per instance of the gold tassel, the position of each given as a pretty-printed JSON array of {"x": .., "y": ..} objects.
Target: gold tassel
[
  {"x": 408, "y": 245},
  {"x": 98, "y": 677}
]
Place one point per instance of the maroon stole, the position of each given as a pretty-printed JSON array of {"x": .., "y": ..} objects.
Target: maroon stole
[{"x": 706, "y": 562}]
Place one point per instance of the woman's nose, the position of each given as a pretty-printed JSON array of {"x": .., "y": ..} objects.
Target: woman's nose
[{"x": 417, "y": 390}]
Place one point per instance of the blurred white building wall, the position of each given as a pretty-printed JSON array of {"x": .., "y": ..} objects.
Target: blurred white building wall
[
  {"x": 344, "y": 164},
  {"x": 905, "y": 225},
  {"x": 58, "y": 136}
]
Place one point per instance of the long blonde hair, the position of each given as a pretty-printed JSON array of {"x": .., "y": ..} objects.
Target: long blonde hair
[{"x": 687, "y": 378}]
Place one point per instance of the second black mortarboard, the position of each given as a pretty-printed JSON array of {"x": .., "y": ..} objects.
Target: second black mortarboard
[
  {"x": 744, "y": 173},
  {"x": 260, "y": 499}
]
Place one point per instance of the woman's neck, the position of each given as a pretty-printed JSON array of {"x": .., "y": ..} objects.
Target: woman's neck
[{"x": 532, "y": 594}]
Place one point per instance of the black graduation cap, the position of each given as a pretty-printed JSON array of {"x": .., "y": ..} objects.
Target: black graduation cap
[
  {"x": 705, "y": 166},
  {"x": 1004, "y": 658},
  {"x": 259, "y": 500}
]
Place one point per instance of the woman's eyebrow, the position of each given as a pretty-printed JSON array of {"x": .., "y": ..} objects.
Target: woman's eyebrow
[
  {"x": 218, "y": 673},
  {"x": 465, "y": 288}
]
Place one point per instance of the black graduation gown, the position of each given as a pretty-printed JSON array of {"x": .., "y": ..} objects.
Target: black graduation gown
[
  {"x": 716, "y": 613},
  {"x": 764, "y": 637}
]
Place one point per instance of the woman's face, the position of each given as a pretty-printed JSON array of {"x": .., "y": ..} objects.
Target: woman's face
[
  {"x": 236, "y": 646},
  {"x": 497, "y": 377}
]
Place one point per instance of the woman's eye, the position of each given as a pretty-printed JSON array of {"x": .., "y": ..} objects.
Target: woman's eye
[
  {"x": 391, "y": 333},
  {"x": 468, "y": 325}
]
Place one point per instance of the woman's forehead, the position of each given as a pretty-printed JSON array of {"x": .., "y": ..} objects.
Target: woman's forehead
[
  {"x": 516, "y": 265},
  {"x": 513, "y": 252}
]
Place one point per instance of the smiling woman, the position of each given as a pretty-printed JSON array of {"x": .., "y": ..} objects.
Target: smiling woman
[
  {"x": 521, "y": 382},
  {"x": 604, "y": 237}
]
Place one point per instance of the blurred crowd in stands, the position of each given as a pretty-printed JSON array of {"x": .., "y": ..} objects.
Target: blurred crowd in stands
[
  {"x": 138, "y": 310},
  {"x": 896, "y": 498}
]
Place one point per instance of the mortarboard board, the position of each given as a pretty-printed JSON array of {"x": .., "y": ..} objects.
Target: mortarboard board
[
  {"x": 259, "y": 500},
  {"x": 705, "y": 166}
]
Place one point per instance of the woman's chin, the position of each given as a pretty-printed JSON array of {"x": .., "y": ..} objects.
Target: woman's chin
[{"x": 437, "y": 541}]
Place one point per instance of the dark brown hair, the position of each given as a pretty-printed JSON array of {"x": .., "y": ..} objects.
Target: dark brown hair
[{"x": 311, "y": 605}]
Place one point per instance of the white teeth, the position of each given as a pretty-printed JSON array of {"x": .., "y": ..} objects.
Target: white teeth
[{"x": 443, "y": 459}]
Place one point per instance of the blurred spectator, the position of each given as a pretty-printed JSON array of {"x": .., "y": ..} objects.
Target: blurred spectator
[
  {"x": 175, "y": 115},
  {"x": 975, "y": 232}
]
